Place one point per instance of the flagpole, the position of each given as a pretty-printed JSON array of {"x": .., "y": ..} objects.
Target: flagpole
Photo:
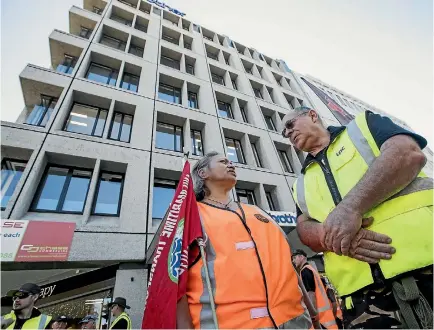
[{"x": 201, "y": 244}]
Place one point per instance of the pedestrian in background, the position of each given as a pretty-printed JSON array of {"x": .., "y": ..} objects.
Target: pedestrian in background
[
  {"x": 360, "y": 189},
  {"x": 60, "y": 323},
  {"x": 24, "y": 314},
  {"x": 122, "y": 320},
  {"x": 88, "y": 322}
]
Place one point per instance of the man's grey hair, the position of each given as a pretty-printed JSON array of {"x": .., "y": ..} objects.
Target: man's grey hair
[
  {"x": 199, "y": 187},
  {"x": 303, "y": 110}
]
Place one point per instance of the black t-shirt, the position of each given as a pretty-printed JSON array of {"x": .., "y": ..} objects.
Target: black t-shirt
[
  {"x": 121, "y": 324},
  {"x": 308, "y": 279},
  {"x": 382, "y": 129},
  {"x": 35, "y": 313}
]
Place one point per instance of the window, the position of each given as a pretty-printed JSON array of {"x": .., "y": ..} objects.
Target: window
[
  {"x": 41, "y": 113},
  {"x": 192, "y": 100},
  {"x": 169, "y": 137},
  {"x": 97, "y": 10},
  {"x": 234, "y": 84},
  {"x": 243, "y": 114},
  {"x": 67, "y": 65},
  {"x": 170, "y": 39},
  {"x": 270, "y": 123},
  {"x": 196, "y": 142},
  {"x": 169, "y": 93},
  {"x": 249, "y": 70},
  {"x": 12, "y": 170},
  {"x": 112, "y": 42},
  {"x": 227, "y": 60},
  {"x": 109, "y": 194},
  {"x": 120, "y": 20},
  {"x": 279, "y": 82},
  {"x": 270, "y": 201},
  {"x": 130, "y": 82},
  {"x": 102, "y": 74},
  {"x": 141, "y": 27},
  {"x": 257, "y": 93},
  {"x": 163, "y": 193},
  {"x": 62, "y": 190},
  {"x": 212, "y": 55},
  {"x": 168, "y": 61},
  {"x": 196, "y": 28},
  {"x": 235, "y": 151},
  {"x": 136, "y": 50},
  {"x": 185, "y": 28},
  {"x": 84, "y": 119},
  {"x": 217, "y": 79},
  {"x": 120, "y": 129},
  {"x": 189, "y": 68},
  {"x": 187, "y": 45},
  {"x": 127, "y": 3},
  {"x": 256, "y": 155},
  {"x": 246, "y": 196},
  {"x": 285, "y": 161},
  {"x": 156, "y": 11},
  {"x": 270, "y": 92},
  {"x": 208, "y": 38},
  {"x": 85, "y": 32},
  {"x": 225, "y": 109}
]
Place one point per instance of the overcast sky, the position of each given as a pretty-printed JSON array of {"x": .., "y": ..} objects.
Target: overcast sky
[{"x": 378, "y": 51}]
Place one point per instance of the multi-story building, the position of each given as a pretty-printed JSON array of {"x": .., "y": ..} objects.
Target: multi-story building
[{"x": 100, "y": 143}]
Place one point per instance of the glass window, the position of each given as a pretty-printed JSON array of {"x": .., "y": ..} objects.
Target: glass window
[
  {"x": 246, "y": 196},
  {"x": 163, "y": 193},
  {"x": 112, "y": 42},
  {"x": 243, "y": 114},
  {"x": 235, "y": 151},
  {"x": 196, "y": 28},
  {"x": 225, "y": 109},
  {"x": 270, "y": 201},
  {"x": 41, "y": 113},
  {"x": 187, "y": 45},
  {"x": 256, "y": 155},
  {"x": 67, "y": 65},
  {"x": 109, "y": 194},
  {"x": 121, "y": 127},
  {"x": 170, "y": 39},
  {"x": 85, "y": 32},
  {"x": 169, "y": 93},
  {"x": 270, "y": 123},
  {"x": 136, "y": 50},
  {"x": 87, "y": 120},
  {"x": 249, "y": 71},
  {"x": 169, "y": 137},
  {"x": 168, "y": 61},
  {"x": 217, "y": 79},
  {"x": 227, "y": 60},
  {"x": 234, "y": 84},
  {"x": 208, "y": 38},
  {"x": 62, "y": 189},
  {"x": 285, "y": 161},
  {"x": 196, "y": 142},
  {"x": 11, "y": 173},
  {"x": 130, "y": 82},
  {"x": 212, "y": 55},
  {"x": 189, "y": 68},
  {"x": 127, "y": 3},
  {"x": 97, "y": 10},
  {"x": 120, "y": 20},
  {"x": 192, "y": 100},
  {"x": 156, "y": 11},
  {"x": 102, "y": 74},
  {"x": 140, "y": 27},
  {"x": 257, "y": 93}
]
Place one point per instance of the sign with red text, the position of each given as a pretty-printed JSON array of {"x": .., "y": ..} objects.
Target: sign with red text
[{"x": 31, "y": 241}]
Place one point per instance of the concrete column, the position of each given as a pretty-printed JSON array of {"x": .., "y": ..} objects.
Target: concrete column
[
  {"x": 127, "y": 46},
  {"x": 247, "y": 150},
  {"x": 121, "y": 73},
  {"x": 92, "y": 191},
  {"x": 227, "y": 79},
  {"x": 186, "y": 137},
  {"x": 181, "y": 41},
  {"x": 236, "y": 110},
  {"x": 265, "y": 94},
  {"x": 183, "y": 65},
  {"x": 262, "y": 198},
  {"x": 131, "y": 284},
  {"x": 295, "y": 161},
  {"x": 184, "y": 94},
  {"x": 108, "y": 120}
]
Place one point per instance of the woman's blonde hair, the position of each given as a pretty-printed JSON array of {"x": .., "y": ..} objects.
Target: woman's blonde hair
[{"x": 200, "y": 189}]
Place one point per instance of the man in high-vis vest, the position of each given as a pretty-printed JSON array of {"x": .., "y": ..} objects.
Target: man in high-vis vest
[
  {"x": 334, "y": 301},
  {"x": 315, "y": 289},
  {"x": 24, "y": 314},
  {"x": 122, "y": 320},
  {"x": 361, "y": 189}
]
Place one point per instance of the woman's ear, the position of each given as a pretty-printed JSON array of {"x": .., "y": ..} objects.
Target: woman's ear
[{"x": 202, "y": 173}]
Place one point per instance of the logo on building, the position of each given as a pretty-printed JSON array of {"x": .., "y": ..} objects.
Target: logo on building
[{"x": 164, "y": 6}]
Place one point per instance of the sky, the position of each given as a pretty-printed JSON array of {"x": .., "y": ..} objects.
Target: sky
[{"x": 378, "y": 51}]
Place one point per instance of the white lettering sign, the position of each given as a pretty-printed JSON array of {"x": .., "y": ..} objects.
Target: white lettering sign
[
  {"x": 12, "y": 234},
  {"x": 284, "y": 219}
]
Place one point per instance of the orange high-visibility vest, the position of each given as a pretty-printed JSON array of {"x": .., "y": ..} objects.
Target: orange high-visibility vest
[
  {"x": 323, "y": 306},
  {"x": 241, "y": 283}
]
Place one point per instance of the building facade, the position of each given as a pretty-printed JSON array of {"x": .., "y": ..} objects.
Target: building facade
[{"x": 100, "y": 142}]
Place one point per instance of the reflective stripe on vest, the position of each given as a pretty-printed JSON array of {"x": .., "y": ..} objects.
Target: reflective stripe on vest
[
  {"x": 122, "y": 316},
  {"x": 406, "y": 216},
  {"x": 40, "y": 322},
  {"x": 323, "y": 306},
  {"x": 235, "y": 273}
]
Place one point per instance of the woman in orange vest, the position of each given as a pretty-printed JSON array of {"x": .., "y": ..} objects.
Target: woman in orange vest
[{"x": 248, "y": 258}]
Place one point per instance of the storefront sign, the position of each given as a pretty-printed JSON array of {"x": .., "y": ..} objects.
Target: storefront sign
[
  {"x": 284, "y": 219},
  {"x": 164, "y": 6},
  {"x": 24, "y": 240}
]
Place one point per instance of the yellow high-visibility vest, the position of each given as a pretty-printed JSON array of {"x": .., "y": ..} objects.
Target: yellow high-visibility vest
[
  {"x": 123, "y": 316},
  {"x": 406, "y": 217},
  {"x": 40, "y": 322}
]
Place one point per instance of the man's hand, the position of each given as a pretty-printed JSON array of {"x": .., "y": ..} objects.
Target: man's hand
[
  {"x": 370, "y": 246},
  {"x": 340, "y": 227}
]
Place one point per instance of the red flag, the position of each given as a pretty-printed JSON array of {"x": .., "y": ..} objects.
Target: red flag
[{"x": 174, "y": 253}]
